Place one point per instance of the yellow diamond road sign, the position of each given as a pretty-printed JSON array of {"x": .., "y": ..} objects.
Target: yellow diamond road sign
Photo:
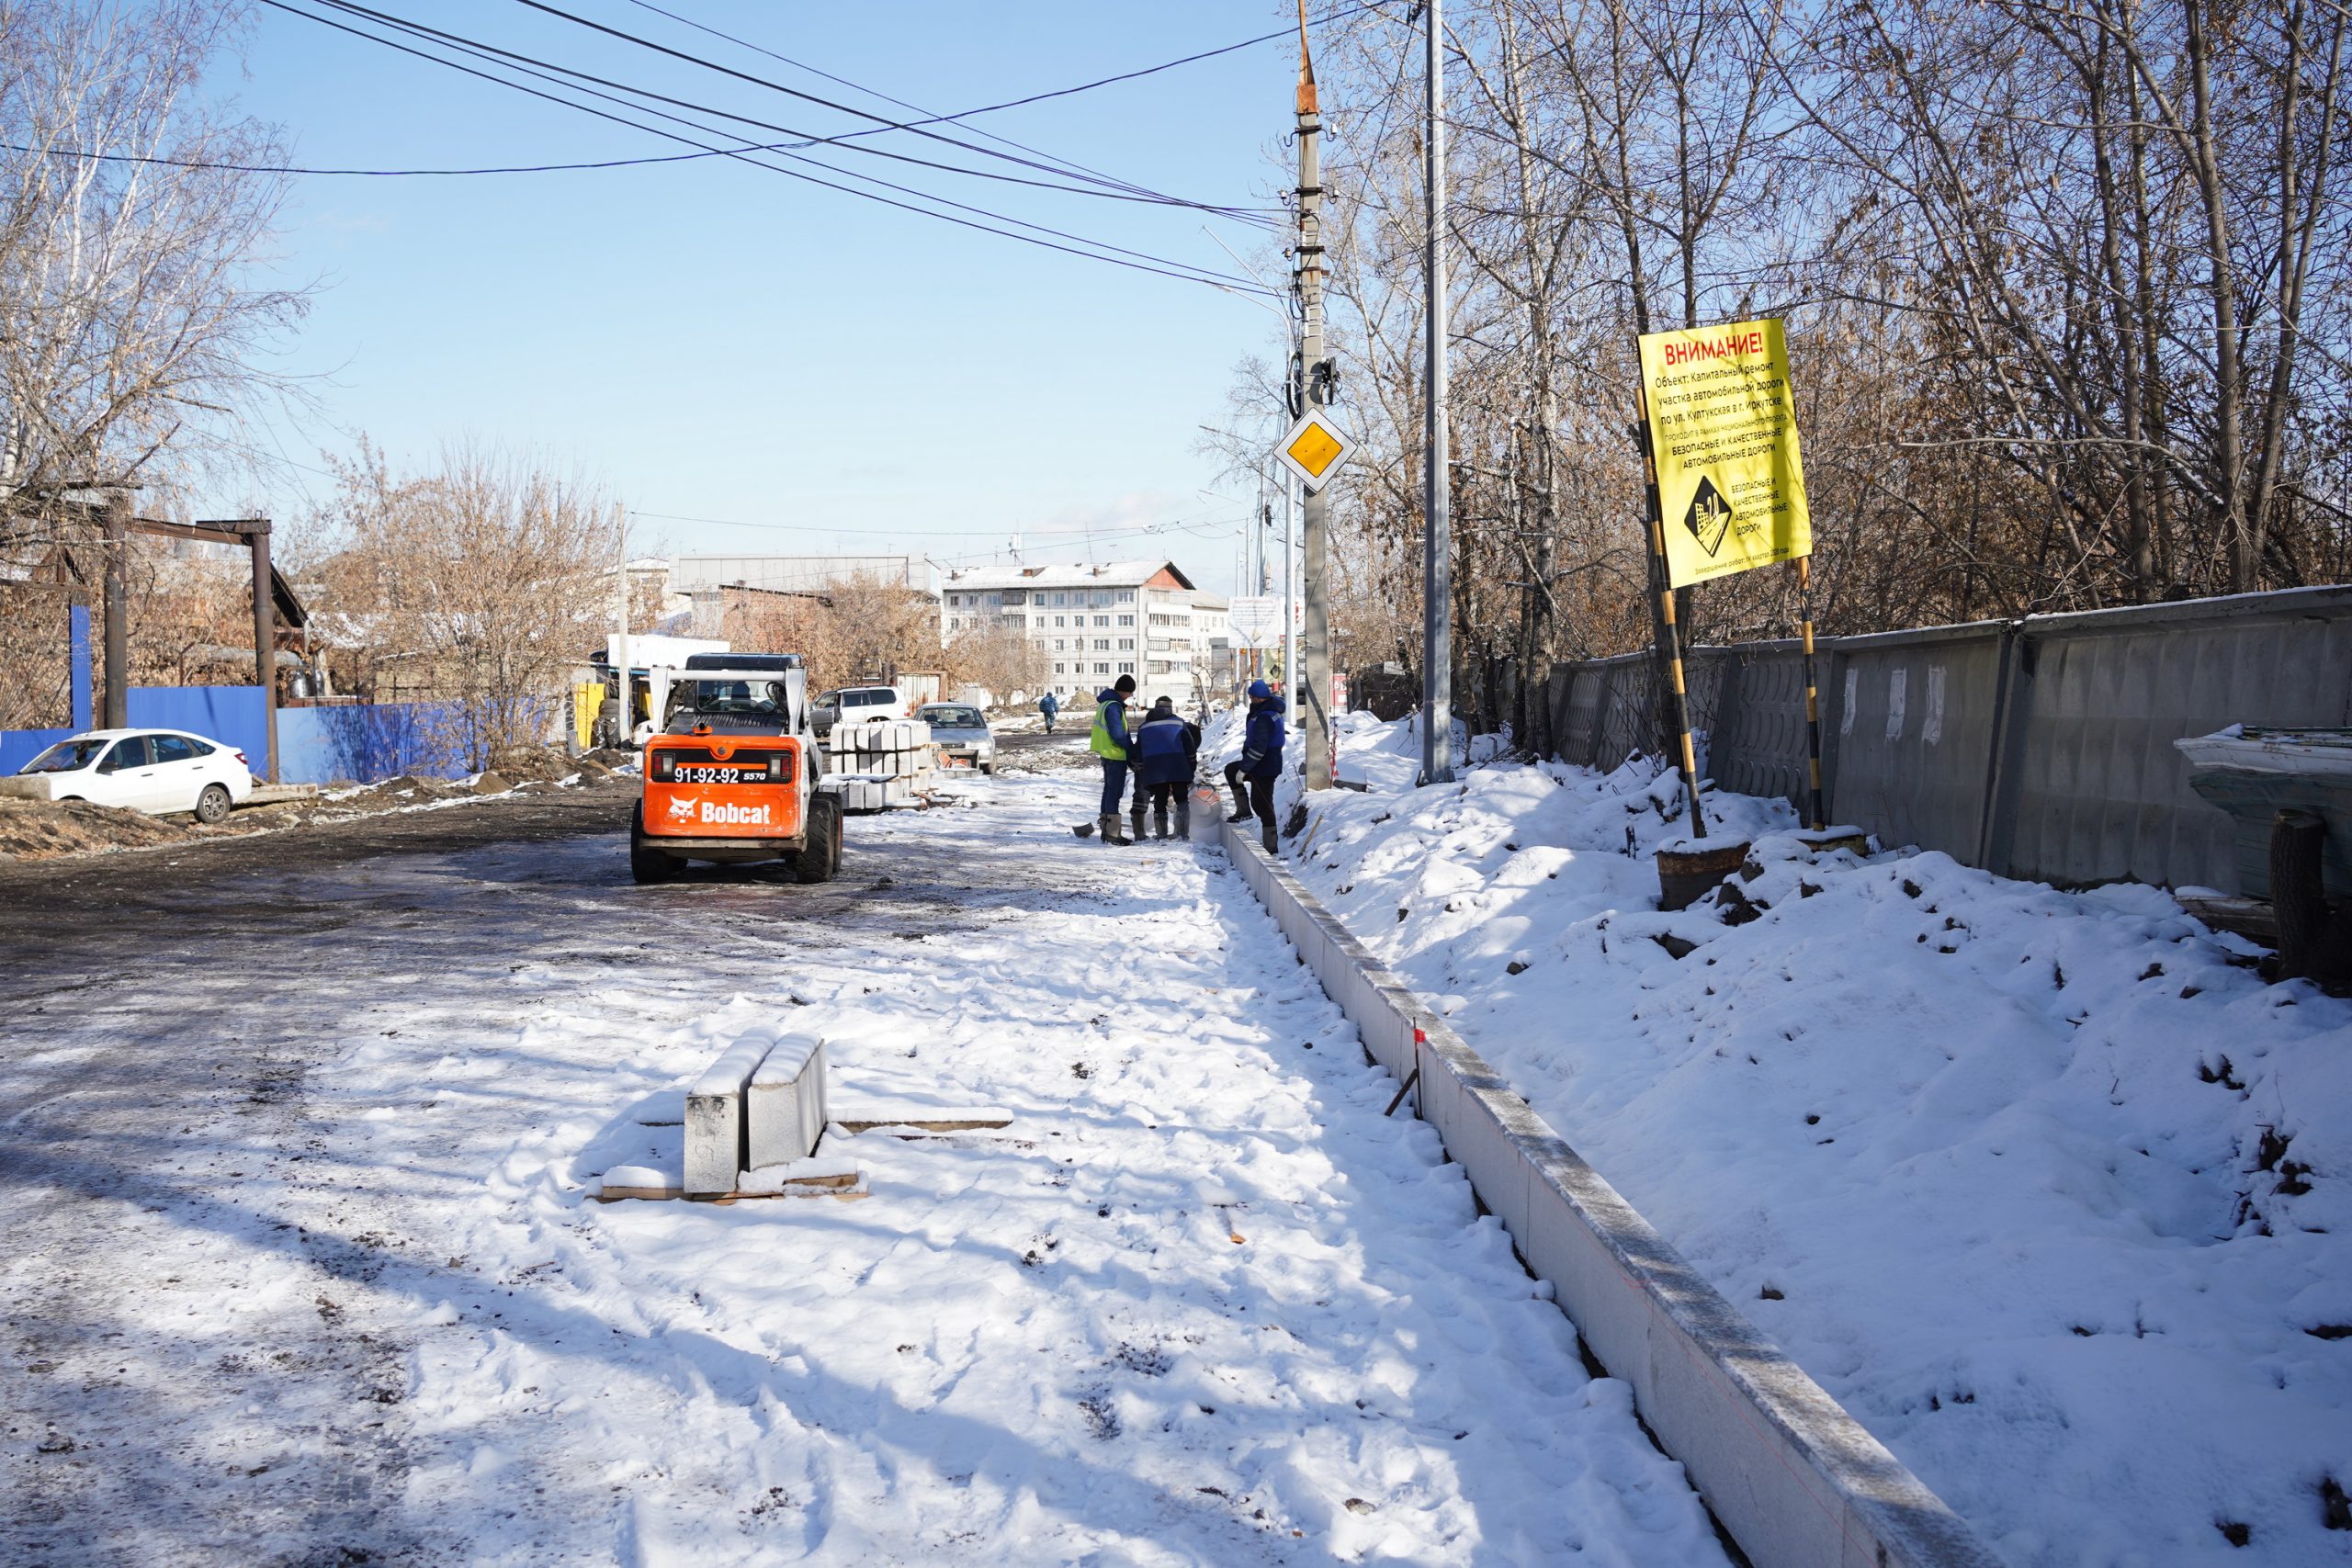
[{"x": 1314, "y": 449}]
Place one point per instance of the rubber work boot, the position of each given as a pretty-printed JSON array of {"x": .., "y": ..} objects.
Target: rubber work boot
[
  {"x": 1266, "y": 837},
  {"x": 1109, "y": 828},
  {"x": 1184, "y": 816},
  {"x": 1134, "y": 824},
  {"x": 1158, "y": 820},
  {"x": 1241, "y": 812}
]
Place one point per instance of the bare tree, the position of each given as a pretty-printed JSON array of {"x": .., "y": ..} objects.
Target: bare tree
[
  {"x": 2067, "y": 283},
  {"x": 132, "y": 315},
  {"x": 130, "y": 312},
  {"x": 486, "y": 578}
]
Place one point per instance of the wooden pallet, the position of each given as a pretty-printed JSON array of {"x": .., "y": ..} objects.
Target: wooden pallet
[{"x": 846, "y": 1187}]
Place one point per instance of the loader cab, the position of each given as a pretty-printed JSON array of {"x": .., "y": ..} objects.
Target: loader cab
[{"x": 736, "y": 774}]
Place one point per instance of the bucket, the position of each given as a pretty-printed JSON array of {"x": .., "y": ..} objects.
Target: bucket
[
  {"x": 1208, "y": 813},
  {"x": 1686, "y": 876}
]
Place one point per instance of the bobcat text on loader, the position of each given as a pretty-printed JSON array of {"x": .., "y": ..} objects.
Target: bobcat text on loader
[{"x": 735, "y": 773}]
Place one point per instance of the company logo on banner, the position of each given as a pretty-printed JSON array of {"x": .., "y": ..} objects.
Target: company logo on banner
[{"x": 1724, "y": 434}]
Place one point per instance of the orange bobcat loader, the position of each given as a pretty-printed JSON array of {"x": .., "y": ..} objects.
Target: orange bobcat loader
[{"x": 735, "y": 773}]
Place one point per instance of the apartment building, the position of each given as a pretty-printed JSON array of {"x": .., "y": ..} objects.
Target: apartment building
[{"x": 1095, "y": 623}]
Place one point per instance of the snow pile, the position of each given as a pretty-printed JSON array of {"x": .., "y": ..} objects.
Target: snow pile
[{"x": 2049, "y": 1189}]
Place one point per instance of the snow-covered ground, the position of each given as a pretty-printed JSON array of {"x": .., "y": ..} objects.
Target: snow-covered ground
[
  {"x": 298, "y": 1261},
  {"x": 2049, "y": 1189}
]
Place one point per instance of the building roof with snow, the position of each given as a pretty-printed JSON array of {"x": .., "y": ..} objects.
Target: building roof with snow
[{"x": 1108, "y": 574}]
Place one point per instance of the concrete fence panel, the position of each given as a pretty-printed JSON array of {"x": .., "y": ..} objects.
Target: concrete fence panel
[
  {"x": 1914, "y": 717},
  {"x": 2041, "y": 748},
  {"x": 1756, "y": 738},
  {"x": 2100, "y": 791}
]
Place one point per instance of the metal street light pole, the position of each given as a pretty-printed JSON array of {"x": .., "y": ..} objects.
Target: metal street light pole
[{"x": 1437, "y": 544}]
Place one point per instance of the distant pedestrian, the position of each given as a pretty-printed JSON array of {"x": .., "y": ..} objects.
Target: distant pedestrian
[
  {"x": 1114, "y": 745},
  {"x": 1049, "y": 704},
  {"x": 1166, "y": 751},
  {"x": 1259, "y": 764}
]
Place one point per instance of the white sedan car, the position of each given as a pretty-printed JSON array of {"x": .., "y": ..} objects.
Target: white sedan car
[{"x": 154, "y": 771}]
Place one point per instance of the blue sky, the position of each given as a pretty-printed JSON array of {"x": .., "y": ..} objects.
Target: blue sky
[{"x": 716, "y": 341}]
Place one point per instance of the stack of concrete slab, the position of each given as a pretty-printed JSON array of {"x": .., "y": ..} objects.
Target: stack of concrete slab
[
  {"x": 881, "y": 747},
  {"x": 861, "y": 791},
  {"x": 742, "y": 1114}
]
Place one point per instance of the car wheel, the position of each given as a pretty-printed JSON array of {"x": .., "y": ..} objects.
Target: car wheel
[
  {"x": 823, "y": 856},
  {"x": 645, "y": 862},
  {"x": 212, "y": 806}
]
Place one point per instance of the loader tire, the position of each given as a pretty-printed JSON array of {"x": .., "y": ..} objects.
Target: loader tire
[
  {"x": 645, "y": 862},
  {"x": 823, "y": 856}
]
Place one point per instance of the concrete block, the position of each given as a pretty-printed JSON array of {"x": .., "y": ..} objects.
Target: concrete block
[
  {"x": 714, "y": 1127},
  {"x": 784, "y": 1108}
]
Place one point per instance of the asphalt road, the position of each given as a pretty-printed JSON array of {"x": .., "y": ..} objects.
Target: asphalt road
[{"x": 46, "y": 904}]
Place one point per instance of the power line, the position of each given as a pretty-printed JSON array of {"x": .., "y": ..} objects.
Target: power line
[
  {"x": 956, "y": 118},
  {"x": 205, "y": 164},
  {"x": 485, "y": 53},
  {"x": 1161, "y": 265},
  {"x": 881, "y": 121},
  {"x": 804, "y": 138}
]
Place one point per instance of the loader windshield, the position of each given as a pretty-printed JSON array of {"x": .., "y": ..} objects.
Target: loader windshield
[{"x": 759, "y": 698}]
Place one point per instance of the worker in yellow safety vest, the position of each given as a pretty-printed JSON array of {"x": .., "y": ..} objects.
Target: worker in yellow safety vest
[{"x": 1114, "y": 745}]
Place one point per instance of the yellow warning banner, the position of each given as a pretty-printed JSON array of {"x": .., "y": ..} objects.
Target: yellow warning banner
[{"x": 1724, "y": 432}]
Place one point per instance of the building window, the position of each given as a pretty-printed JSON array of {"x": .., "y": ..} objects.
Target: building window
[
  {"x": 1127, "y": 596},
  {"x": 1099, "y": 669},
  {"x": 1124, "y": 620},
  {"x": 1125, "y": 642},
  {"x": 1123, "y": 670},
  {"x": 1099, "y": 620}
]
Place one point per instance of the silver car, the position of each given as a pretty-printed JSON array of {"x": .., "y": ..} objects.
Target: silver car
[{"x": 962, "y": 734}]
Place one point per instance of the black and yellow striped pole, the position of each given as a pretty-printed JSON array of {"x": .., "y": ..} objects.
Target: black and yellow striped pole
[
  {"x": 1814, "y": 813},
  {"x": 1670, "y": 636}
]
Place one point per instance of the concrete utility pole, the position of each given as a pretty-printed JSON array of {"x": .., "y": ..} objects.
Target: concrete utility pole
[
  {"x": 1290, "y": 582},
  {"x": 256, "y": 531},
  {"x": 1309, "y": 693},
  {"x": 1437, "y": 497},
  {"x": 118, "y": 611}
]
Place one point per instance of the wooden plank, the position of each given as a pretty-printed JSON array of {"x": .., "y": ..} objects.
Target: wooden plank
[
  {"x": 965, "y": 1119},
  {"x": 849, "y": 1186}
]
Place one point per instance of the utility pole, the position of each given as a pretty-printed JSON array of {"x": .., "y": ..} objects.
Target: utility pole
[
  {"x": 256, "y": 531},
  {"x": 1315, "y": 683},
  {"x": 118, "y": 610},
  {"x": 1290, "y": 584},
  {"x": 624, "y": 722},
  {"x": 1265, "y": 536},
  {"x": 1437, "y": 498}
]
